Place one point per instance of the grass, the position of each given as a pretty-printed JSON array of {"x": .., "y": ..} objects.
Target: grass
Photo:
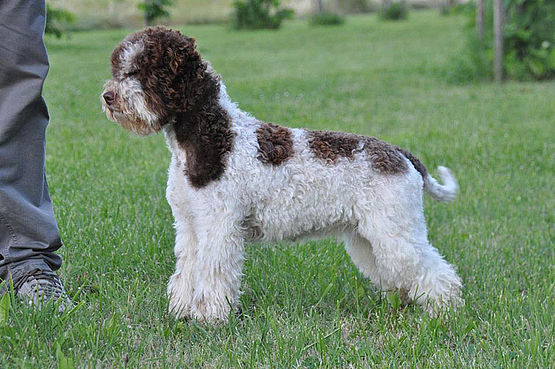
[{"x": 304, "y": 305}]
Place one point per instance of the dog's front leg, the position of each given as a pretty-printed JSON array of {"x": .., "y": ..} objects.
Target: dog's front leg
[
  {"x": 218, "y": 269},
  {"x": 181, "y": 285},
  {"x": 180, "y": 288}
]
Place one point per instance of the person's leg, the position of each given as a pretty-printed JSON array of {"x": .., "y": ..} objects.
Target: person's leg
[{"x": 29, "y": 235}]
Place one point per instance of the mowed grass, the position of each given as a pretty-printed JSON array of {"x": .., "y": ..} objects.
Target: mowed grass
[{"x": 304, "y": 305}]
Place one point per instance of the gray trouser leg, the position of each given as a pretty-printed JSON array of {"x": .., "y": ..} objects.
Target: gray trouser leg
[{"x": 29, "y": 235}]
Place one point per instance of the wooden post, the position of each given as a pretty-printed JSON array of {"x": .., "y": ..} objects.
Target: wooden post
[
  {"x": 498, "y": 40},
  {"x": 480, "y": 19}
]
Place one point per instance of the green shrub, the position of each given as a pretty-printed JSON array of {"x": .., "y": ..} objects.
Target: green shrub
[
  {"x": 259, "y": 14},
  {"x": 528, "y": 45},
  {"x": 326, "y": 19},
  {"x": 57, "y": 21},
  {"x": 154, "y": 9},
  {"x": 529, "y": 39},
  {"x": 395, "y": 10},
  {"x": 355, "y": 6}
]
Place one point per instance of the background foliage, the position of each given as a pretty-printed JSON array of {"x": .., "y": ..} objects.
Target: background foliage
[
  {"x": 530, "y": 39},
  {"x": 326, "y": 18},
  {"x": 529, "y": 34},
  {"x": 394, "y": 10},
  {"x": 57, "y": 21},
  {"x": 257, "y": 14},
  {"x": 154, "y": 9}
]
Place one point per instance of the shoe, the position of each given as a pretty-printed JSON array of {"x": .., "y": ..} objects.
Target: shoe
[{"x": 41, "y": 286}]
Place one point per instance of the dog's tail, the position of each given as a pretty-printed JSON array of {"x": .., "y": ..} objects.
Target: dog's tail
[
  {"x": 445, "y": 192},
  {"x": 441, "y": 192}
]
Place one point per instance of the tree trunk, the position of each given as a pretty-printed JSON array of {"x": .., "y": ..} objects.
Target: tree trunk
[
  {"x": 498, "y": 40},
  {"x": 480, "y": 19},
  {"x": 319, "y": 6}
]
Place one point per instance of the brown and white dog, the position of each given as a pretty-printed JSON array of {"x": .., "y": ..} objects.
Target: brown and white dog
[{"x": 234, "y": 179}]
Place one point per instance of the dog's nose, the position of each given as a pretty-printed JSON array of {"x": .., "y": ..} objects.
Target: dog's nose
[{"x": 109, "y": 97}]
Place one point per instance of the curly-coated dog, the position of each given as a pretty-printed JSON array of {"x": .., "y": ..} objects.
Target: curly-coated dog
[{"x": 234, "y": 179}]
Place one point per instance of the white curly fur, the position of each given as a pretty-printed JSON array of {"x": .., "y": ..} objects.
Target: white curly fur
[{"x": 380, "y": 218}]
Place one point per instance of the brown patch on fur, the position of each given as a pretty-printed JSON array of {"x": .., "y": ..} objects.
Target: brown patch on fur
[
  {"x": 275, "y": 144},
  {"x": 386, "y": 158},
  {"x": 421, "y": 168},
  {"x": 330, "y": 146},
  {"x": 206, "y": 137}
]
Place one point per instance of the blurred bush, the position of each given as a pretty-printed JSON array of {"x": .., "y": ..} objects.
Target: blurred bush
[
  {"x": 326, "y": 19},
  {"x": 394, "y": 10},
  {"x": 258, "y": 14},
  {"x": 528, "y": 46},
  {"x": 57, "y": 21},
  {"x": 529, "y": 39},
  {"x": 355, "y": 6},
  {"x": 154, "y": 9}
]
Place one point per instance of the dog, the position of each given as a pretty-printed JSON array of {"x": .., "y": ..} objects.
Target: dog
[{"x": 235, "y": 179}]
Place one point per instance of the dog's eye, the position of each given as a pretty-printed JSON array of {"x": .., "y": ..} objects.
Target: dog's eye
[{"x": 132, "y": 73}]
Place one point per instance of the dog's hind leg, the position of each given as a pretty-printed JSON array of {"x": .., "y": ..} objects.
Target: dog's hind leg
[
  {"x": 219, "y": 265},
  {"x": 404, "y": 259},
  {"x": 362, "y": 255},
  {"x": 408, "y": 262}
]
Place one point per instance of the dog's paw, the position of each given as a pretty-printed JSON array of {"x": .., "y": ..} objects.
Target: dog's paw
[
  {"x": 213, "y": 309},
  {"x": 180, "y": 294},
  {"x": 450, "y": 299}
]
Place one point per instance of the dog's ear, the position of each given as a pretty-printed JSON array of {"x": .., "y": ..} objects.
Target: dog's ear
[
  {"x": 173, "y": 74},
  {"x": 188, "y": 80},
  {"x": 170, "y": 69},
  {"x": 185, "y": 50}
]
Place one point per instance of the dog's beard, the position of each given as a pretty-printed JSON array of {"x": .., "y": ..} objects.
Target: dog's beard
[
  {"x": 129, "y": 122},
  {"x": 137, "y": 126},
  {"x": 109, "y": 113}
]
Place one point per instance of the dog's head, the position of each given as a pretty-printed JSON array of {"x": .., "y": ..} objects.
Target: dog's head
[{"x": 156, "y": 74}]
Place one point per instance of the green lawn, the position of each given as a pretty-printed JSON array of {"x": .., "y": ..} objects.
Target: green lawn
[{"x": 304, "y": 306}]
